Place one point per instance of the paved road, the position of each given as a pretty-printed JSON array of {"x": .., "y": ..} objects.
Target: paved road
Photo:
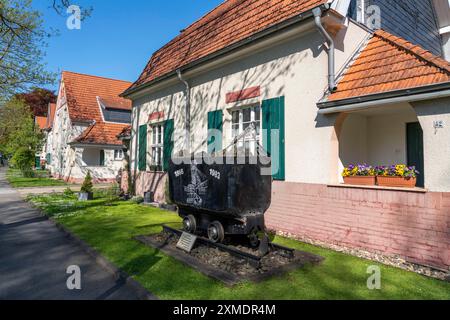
[{"x": 34, "y": 256}]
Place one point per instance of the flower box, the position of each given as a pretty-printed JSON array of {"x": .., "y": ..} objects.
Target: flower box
[
  {"x": 360, "y": 180},
  {"x": 397, "y": 182}
]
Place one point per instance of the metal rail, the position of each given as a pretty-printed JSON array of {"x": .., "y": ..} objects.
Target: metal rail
[{"x": 254, "y": 261}]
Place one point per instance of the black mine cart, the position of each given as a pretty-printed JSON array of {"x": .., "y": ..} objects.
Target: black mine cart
[{"x": 222, "y": 199}]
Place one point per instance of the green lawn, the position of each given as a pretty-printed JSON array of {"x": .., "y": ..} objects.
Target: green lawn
[
  {"x": 41, "y": 179},
  {"x": 110, "y": 230}
]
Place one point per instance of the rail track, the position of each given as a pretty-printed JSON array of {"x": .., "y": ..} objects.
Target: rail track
[{"x": 253, "y": 260}]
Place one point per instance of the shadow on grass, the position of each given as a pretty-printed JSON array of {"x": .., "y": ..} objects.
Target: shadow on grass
[{"x": 141, "y": 264}]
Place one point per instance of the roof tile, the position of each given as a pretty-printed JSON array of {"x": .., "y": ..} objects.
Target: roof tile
[
  {"x": 82, "y": 93},
  {"x": 229, "y": 23},
  {"x": 390, "y": 63}
]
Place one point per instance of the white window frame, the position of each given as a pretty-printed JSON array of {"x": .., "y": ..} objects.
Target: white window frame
[
  {"x": 249, "y": 138},
  {"x": 118, "y": 155},
  {"x": 156, "y": 145}
]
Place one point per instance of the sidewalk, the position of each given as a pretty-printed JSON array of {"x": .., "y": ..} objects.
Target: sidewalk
[{"x": 34, "y": 257}]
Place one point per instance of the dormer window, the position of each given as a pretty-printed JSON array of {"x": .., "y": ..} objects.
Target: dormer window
[
  {"x": 114, "y": 110},
  {"x": 356, "y": 10}
]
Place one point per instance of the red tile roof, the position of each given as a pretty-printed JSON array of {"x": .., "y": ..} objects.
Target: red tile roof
[
  {"x": 82, "y": 92},
  {"x": 126, "y": 133},
  {"x": 102, "y": 134},
  {"x": 41, "y": 122},
  {"x": 389, "y": 63},
  {"x": 50, "y": 115},
  {"x": 230, "y": 22}
]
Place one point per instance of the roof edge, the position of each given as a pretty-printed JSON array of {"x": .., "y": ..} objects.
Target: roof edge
[
  {"x": 435, "y": 61},
  {"x": 240, "y": 44},
  {"x": 385, "y": 95}
]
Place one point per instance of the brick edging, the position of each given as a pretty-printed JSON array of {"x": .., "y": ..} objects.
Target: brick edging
[{"x": 118, "y": 274}]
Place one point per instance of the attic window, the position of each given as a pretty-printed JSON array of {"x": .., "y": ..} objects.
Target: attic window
[
  {"x": 356, "y": 10},
  {"x": 114, "y": 111}
]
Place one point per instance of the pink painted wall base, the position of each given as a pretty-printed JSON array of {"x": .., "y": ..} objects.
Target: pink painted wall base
[{"x": 413, "y": 225}]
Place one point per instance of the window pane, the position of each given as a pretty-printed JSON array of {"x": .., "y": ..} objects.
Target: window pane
[
  {"x": 159, "y": 157},
  {"x": 247, "y": 115},
  {"x": 154, "y": 135},
  {"x": 235, "y": 130},
  {"x": 235, "y": 117},
  {"x": 257, "y": 113},
  {"x": 159, "y": 134}
]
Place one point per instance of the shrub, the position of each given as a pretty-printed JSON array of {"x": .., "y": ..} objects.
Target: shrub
[
  {"x": 87, "y": 186},
  {"x": 68, "y": 193},
  {"x": 23, "y": 159},
  {"x": 137, "y": 200}
]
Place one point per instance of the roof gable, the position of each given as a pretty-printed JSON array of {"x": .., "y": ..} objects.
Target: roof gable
[
  {"x": 389, "y": 63},
  {"x": 50, "y": 115},
  {"x": 229, "y": 23},
  {"x": 82, "y": 91}
]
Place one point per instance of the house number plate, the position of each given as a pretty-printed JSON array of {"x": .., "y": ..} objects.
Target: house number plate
[{"x": 187, "y": 242}]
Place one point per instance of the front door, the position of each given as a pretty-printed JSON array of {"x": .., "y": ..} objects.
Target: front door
[{"x": 415, "y": 150}]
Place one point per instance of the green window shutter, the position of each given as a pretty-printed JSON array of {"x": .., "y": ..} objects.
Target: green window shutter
[
  {"x": 37, "y": 163},
  {"x": 273, "y": 119},
  {"x": 49, "y": 159},
  {"x": 215, "y": 122},
  {"x": 102, "y": 157},
  {"x": 169, "y": 129},
  {"x": 142, "y": 157}
]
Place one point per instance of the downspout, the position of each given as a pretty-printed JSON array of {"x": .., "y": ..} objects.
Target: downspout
[
  {"x": 138, "y": 111},
  {"x": 317, "y": 12},
  {"x": 187, "y": 112}
]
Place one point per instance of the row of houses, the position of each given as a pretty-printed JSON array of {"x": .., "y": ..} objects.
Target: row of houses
[{"x": 337, "y": 89}]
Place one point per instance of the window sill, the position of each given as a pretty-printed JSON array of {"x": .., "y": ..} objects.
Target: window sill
[{"x": 351, "y": 186}]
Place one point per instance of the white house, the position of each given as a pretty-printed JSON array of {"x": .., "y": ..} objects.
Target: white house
[
  {"x": 337, "y": 92},
  {"x": 89, "y": 116}
]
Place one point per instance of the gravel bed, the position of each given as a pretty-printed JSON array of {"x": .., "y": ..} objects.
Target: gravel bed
[{"x": 277, "y": 259}]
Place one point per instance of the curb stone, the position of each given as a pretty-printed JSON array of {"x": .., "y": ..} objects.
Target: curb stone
[{"x": 118, "y": 275}]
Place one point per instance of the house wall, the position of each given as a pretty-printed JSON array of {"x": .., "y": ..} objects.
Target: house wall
[
  {"x": 100, "y": 174},
  {"x": 353, "y": 141},
  {"x": 296, "y": 69},
  {"x": 411, "y": 225},
  {"x": 67, "y": 161},
  {"x": 377, "y": 138},
  {"x": 436, "y": 142},
  {"x": 387, "y": 138}
]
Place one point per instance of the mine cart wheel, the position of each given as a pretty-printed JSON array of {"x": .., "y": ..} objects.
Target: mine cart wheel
[
  {"x": 254, "y": 239},
  {"x": 190, "y": 224},
  {"x": 216, "y": 232}
]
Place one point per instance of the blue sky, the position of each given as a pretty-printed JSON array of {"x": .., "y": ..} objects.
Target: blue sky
[{"x": 119, "y": 37}]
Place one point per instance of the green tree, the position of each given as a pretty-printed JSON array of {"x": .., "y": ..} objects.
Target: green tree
[
  {"x": 23, "y": 159},
  {"x": 22, "y": 38},
  {"x": 18, "y": 132},
  {"x": 87, "y": 186}
]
